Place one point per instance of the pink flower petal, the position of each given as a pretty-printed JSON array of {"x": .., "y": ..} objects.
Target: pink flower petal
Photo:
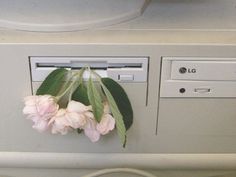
[
  {"x": 106, "y": 124},
  {"x": 30, "y": 100},
  {"x": 60, "y": 123},
  {"x": 41, "y": 126},
  {"x": 29, "y": 110},
  {"x": 76, "y": 120},
  {"x": 90, "y": 130},
  {"x": 74, "y": 106},
  {"x": 42, "y": 107}
]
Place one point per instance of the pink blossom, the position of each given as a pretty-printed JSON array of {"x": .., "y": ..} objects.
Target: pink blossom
[
  {"x": 90, "y": 128},
  {"x": 75, "y": 120},
  {"x": 40, "y": 109},
  {"x": 60, "y": 123},
  {"x": 76, "y": 114},
  {"x": 71, "y": 117},
  {"x": 93, "y": 130},
  {"x": 75, "y": 106},
  {"x": 107, "y": 122},
  {"x": 41, "y": 125}
]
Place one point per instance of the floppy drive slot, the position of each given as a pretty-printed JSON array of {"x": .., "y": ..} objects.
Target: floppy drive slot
[
  {"x": 127, "y": 69},
  {"x": 92, "y": 65}
]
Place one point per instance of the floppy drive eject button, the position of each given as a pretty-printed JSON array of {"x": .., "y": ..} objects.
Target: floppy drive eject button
[{"x": 126, "y": 77}]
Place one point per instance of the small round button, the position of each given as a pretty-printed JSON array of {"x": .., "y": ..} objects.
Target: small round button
[
  {"x": 182, "y": 90},
  {"x": 182, "y": 70}
]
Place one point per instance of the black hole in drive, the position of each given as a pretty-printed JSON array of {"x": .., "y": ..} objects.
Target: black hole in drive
[{"x": 182, "y": 90}]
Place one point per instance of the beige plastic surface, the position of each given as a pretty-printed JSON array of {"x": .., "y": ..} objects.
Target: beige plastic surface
[
  {"x": 201, "y": 15},
  {"x": 162, "y": 126},
  {"x": 63, "y": 15},
  {"x": 6, "y": 172},
  {"x": 184, "y": 126},
  {"x": 176, "y": 133},
  {"x": 177, "y": 120}
]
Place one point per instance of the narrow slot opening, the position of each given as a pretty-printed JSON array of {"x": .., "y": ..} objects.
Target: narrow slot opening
[
  {"x": 126, "y": 65},
  {"x": 97, "y": 66},
  {"x": 52, "y": 65}
]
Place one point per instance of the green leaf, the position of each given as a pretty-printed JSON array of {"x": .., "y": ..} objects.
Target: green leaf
[
  {"x": 53, "y": 83},
  {"x": 81, "y": 95},
  {"x": 121, "y": 100},
  {"x": 95, "y": 100},
  {"x": 117, "y": 115}
]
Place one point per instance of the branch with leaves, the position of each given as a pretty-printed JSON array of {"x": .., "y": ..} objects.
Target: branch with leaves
[{"x": 65, "y": 102}]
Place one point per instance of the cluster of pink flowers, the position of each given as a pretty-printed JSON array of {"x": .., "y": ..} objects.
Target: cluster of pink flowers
[{"x": 45, "y": 113}]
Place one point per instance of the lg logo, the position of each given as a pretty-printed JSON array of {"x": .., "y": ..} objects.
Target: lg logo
[
  {"x": 193, "y": 70},
  {"x": 184, "y": 70}
]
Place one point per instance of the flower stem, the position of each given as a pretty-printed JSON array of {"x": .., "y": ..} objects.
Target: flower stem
[
  {"x": 78, "y": 80},
  {"x": 96, "y": 75}
]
